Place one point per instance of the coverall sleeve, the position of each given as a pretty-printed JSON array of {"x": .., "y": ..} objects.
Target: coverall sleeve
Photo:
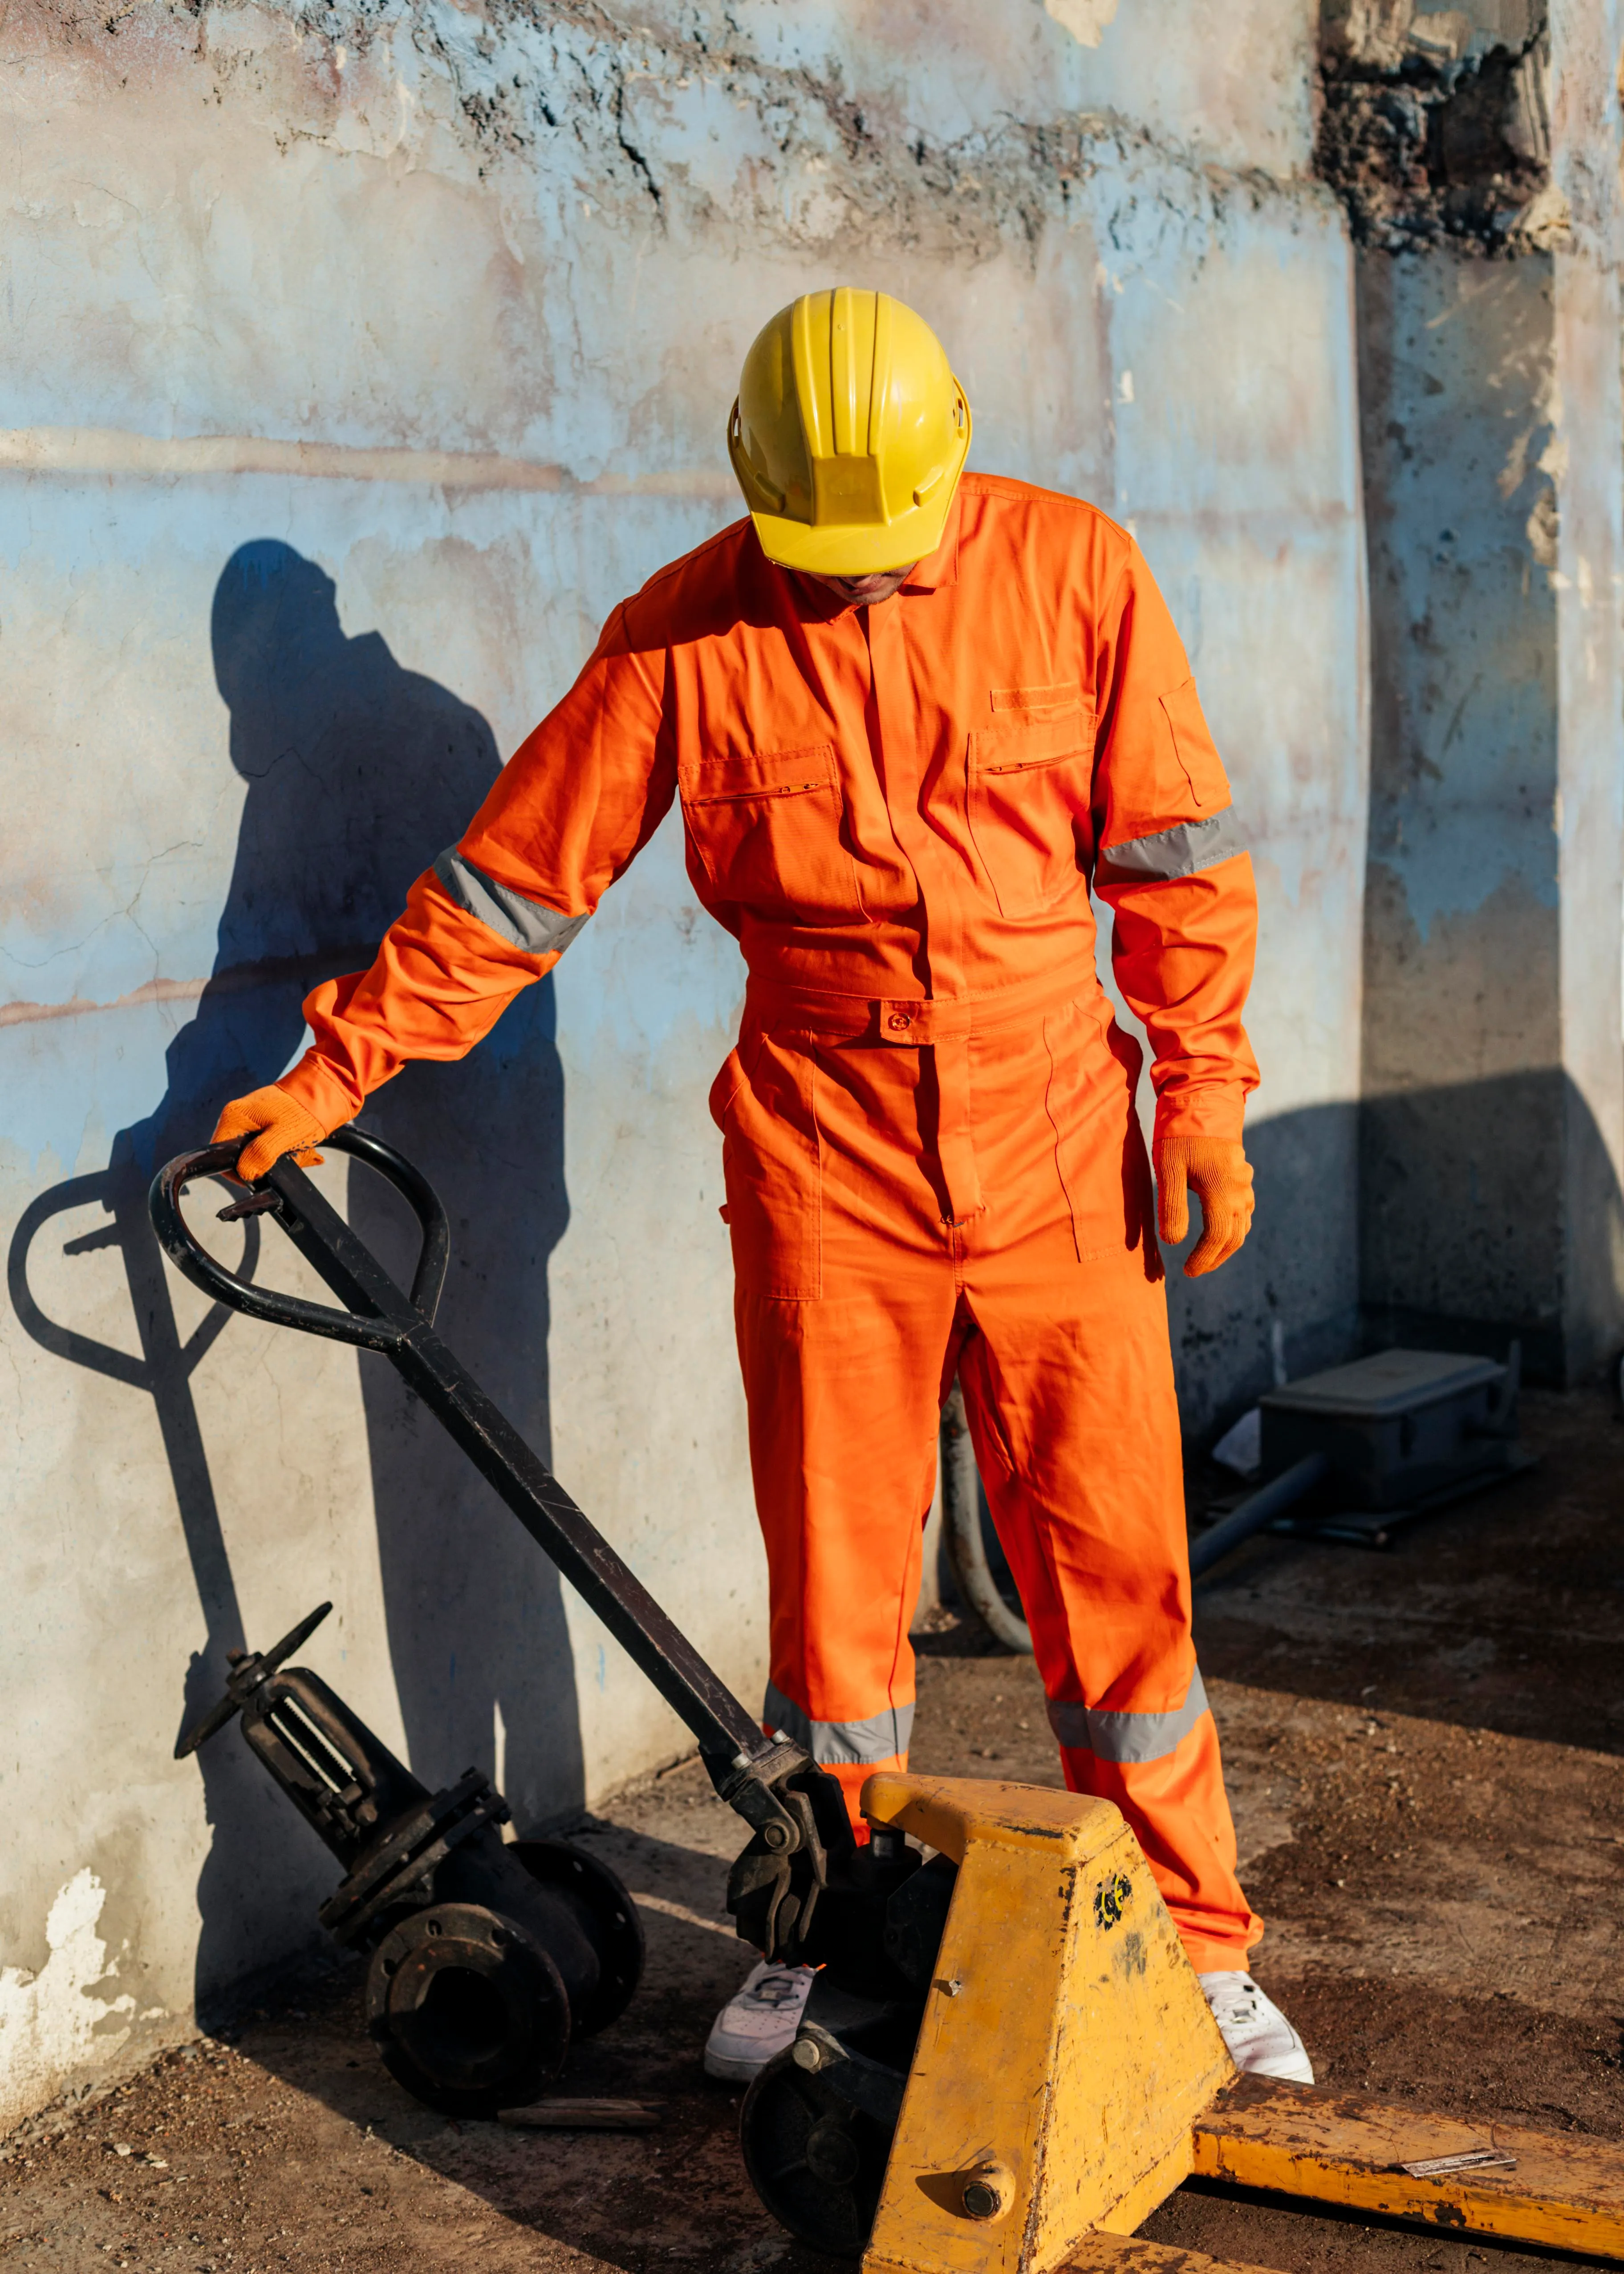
[
  {"x": 1171, "y": 866},
  {"x": 568, "y": 813}
]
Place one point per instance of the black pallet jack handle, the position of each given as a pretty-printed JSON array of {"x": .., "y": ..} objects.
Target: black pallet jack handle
[{"x": 752, "y": 1772}]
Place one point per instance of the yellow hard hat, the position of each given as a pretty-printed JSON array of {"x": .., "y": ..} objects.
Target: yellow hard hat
[{"x": 849, "y": 435}]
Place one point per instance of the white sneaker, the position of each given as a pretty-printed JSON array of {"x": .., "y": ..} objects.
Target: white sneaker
[
  {"x": 759, "y": 2020},
  {"x": 1261, "y": 2041}
]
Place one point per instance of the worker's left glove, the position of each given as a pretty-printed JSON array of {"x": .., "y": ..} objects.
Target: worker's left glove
[
  {"x": 1216, "y": 1170},
  {"x": 278, "y": 1124}
]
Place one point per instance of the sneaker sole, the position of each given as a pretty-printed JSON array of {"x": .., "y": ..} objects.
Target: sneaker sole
[
  {"x": 729, "y": 2068},
  {"x": 1287, "y": 2071}
]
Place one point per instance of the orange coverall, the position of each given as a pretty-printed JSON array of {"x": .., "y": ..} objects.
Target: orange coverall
[{"x": 931, "y": 1154}]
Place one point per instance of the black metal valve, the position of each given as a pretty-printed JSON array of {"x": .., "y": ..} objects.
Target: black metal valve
[
  {"x": 458, "y": 2009},
  {"x": 488, "y": 1957}
]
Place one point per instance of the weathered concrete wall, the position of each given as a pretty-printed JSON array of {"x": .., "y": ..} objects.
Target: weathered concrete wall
[
  {"x": 1260, "y": 550},
  {"x": 1493, "y": 1074},
  {"x": 355, "y": 365}
]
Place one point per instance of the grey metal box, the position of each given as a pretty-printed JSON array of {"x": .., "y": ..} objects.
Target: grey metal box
[{"x": 1397, "y": 1428}]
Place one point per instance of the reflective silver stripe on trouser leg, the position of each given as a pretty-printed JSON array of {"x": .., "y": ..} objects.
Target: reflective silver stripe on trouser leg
[
  {"x": 1170, "y": 852},
  {"x": 877, "y": 1737},
  {"x": 1128, "y": 1737},
  {"x": 530, "y": 924}
]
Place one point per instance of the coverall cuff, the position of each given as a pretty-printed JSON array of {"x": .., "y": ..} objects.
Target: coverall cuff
[
  {"x": 321, "y": 1091},
  {"x": 1208, "y": 1957},
  {"x": 1215, "y": 1110}
]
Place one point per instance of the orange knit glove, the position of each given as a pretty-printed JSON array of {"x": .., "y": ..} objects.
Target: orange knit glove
[
  {"x": 1219, "y": 1175},
  {"x": 284, "y": 1126}
]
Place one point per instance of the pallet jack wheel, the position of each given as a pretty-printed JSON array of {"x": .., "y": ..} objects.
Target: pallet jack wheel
[
  {"x": 608, "y": 1918},
  {"x": 817, "y": 2162},
  {"x": 468, "y": 2011}
]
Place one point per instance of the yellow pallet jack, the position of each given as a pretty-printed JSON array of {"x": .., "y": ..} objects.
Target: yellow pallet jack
[
  {"x": 1006, "y": 2061},
  {"x": 1067, "y": 2076}
]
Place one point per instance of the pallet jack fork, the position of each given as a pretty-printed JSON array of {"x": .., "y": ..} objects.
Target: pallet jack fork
[
  {"x": 1068, "y": 2076},
  {"x": 1006, "y": 2061}
]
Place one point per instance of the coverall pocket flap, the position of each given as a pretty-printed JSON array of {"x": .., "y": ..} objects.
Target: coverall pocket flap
[
  {"x": 760, "y": 773},
  {"x": 1027, "y": 788},
  {"x": 767, "y": 827},
  {"x": 1024, "y": 740},
  {"x": 1199, "y": 761}
]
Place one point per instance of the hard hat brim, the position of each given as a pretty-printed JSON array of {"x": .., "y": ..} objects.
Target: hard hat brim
[{"x": 855, "y": 548}]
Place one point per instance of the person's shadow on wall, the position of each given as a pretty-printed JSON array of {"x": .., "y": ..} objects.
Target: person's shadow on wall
[{"x": 358, "y": 773}]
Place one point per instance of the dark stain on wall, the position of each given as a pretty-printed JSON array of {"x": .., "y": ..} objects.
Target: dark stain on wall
[{"x": 1433, "y": 128}]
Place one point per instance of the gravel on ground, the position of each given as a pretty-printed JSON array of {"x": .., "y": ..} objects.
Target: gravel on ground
[{"x": 1423, "y": 1752}]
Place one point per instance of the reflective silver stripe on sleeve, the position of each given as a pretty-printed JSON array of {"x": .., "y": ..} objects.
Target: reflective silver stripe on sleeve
[
  {"x": 1128, "y": 1737},
  {"x": 1171, "y": 852},
  {"x": 881, "y": 1737},
  {"x": 530, "y": 924}
]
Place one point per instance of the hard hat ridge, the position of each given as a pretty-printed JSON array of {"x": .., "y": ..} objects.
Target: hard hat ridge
[{"x": 848, "y": 434}]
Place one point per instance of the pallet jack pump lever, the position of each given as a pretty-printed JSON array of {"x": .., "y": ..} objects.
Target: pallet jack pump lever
[{"x": 796, "y": 1812}]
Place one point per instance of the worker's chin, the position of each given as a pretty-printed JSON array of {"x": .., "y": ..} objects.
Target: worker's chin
[{"x": 863, "y": 591}]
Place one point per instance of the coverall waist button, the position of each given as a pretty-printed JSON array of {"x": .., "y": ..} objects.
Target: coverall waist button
[{"x": 899, "y": 1020}]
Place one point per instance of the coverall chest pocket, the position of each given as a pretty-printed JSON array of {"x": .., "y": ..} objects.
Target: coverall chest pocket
[
  {"x": 1028, "y": 782},
  {"x": 766, "y": 827}
]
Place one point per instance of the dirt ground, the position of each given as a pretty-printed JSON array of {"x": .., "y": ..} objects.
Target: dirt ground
[{"x": 1423, "y": 1752}]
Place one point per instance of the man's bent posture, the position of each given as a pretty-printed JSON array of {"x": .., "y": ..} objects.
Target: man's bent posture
[{"x": 910, "y": 713}]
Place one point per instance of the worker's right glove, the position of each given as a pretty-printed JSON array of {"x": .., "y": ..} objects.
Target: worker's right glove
[
  {"x": 1217, "y": 1170},
  {"x": 283, "y": 1126}
]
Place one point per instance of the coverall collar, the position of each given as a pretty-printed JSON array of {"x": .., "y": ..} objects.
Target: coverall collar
[
  {"x": 816, "y": 604},
  {"x": 941, "y": 567}
]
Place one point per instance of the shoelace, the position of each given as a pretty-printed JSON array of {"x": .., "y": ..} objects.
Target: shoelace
[
  {"x": 776, "y": 1990},
  {"x": 1238, "y": 2005}
]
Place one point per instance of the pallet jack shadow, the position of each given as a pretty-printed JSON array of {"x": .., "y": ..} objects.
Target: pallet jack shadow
[{"x": 357, "y": 772}]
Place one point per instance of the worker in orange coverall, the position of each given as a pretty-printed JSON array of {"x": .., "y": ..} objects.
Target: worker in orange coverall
[{"x": 911, "y": 714}]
